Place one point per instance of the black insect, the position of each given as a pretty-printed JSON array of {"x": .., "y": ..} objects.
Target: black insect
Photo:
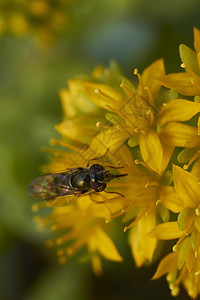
[{"x": 71, "y": 183}]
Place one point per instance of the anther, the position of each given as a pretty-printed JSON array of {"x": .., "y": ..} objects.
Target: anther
[
  {"x": 98, "y": 124},
  {"x": 197, "y": 212},
  {"x": 183, "y": 65},
  {"x": 107, "y": 221},
  {"x": 158, "y": 202},
  {"x": 97, "y": 91},
  {"x": 125, "y": 228}
]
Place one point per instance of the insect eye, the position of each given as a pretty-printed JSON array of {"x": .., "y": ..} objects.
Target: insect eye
[
  {"x": 98, "y": 186},
  {"x": 94, "y": 169}
]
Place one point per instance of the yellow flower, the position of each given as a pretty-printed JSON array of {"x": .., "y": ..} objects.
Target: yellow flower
[
  {"x": 149, "y": 206},
  {"x": 136, "y": 115},
  {"x": 183, "y": 266},
  {"x": 84, "y": 221},
  {"x": 130, "y": 130},
  {"x": 132, "y": 111},
  {"x": 187, "y": 83}
]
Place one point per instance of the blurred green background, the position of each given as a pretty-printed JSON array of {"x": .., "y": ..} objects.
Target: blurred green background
[{"x": 133, "y": 32}]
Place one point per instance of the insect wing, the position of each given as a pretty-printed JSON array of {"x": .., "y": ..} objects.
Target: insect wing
[
  {"x": 63, "y": 200},
  {"x": 55, "y": 188}
]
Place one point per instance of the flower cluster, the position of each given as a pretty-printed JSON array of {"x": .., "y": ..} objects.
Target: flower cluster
[
  {"x": 152, "y": 131},
  {"x": 42, "y": 18}
]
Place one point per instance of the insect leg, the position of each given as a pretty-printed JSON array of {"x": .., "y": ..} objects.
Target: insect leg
[
  {"x": 117, "y": 193},
  {"x": 101, "y": 202},
  {"x": 113, "y": 167}
]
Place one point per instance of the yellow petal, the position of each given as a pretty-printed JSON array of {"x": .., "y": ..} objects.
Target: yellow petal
[
  {"x": 150, "y": 75},
  {"x": 180, "y": 135},
  {"x": 136, "y": 250},
  {"x": 167, "y": 153},
  {"x": 166, "y": 231},
  {"x": 183, "y": 251},
  {"x": 196, "y": 168},
  {"x": 192, "y": 262},
  {"x": 81, "y": 128},
  {"x": 143, "y": 246},
  {"x": 187, "y": 186},
  {"x": 189, "y": 57},
  {"x": 103, "y": 95},
  {"x": 170, "y": 199},
  {"x": 111, "y": 139},
  {"x": 181, "y": 82},
  {"x": 177, "y": 110},
  {"x": 197, "y": 223},
  {"x": 105, "y": 246},
  {"x": 74, "y": 99},
  {"x": 167, "y": 264},
  {"x": 151, "y": 150},
  {"x": 96, "y": 265}
]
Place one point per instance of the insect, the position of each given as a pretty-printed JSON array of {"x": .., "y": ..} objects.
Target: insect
[{"x": 71, "y": 183}]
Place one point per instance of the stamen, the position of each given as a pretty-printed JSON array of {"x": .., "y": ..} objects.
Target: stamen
[
  {"x": 123, "y": 211},
  {"x": 126, "y": 89},
  {"x": 175, "y": 247},
  {"x": 54, "y": 142},
  {"x": 138, "y": 162},
  {"x": 99, "y": 92},
  {"x": 101, "y": 125},
  {"x": 75, "y": 247},
  {"x": 139, "y": 77},
  {"x": 195, "y": 79},
  {"x": 150, "y": 96},
  {"x": 134, "y": 222}
]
